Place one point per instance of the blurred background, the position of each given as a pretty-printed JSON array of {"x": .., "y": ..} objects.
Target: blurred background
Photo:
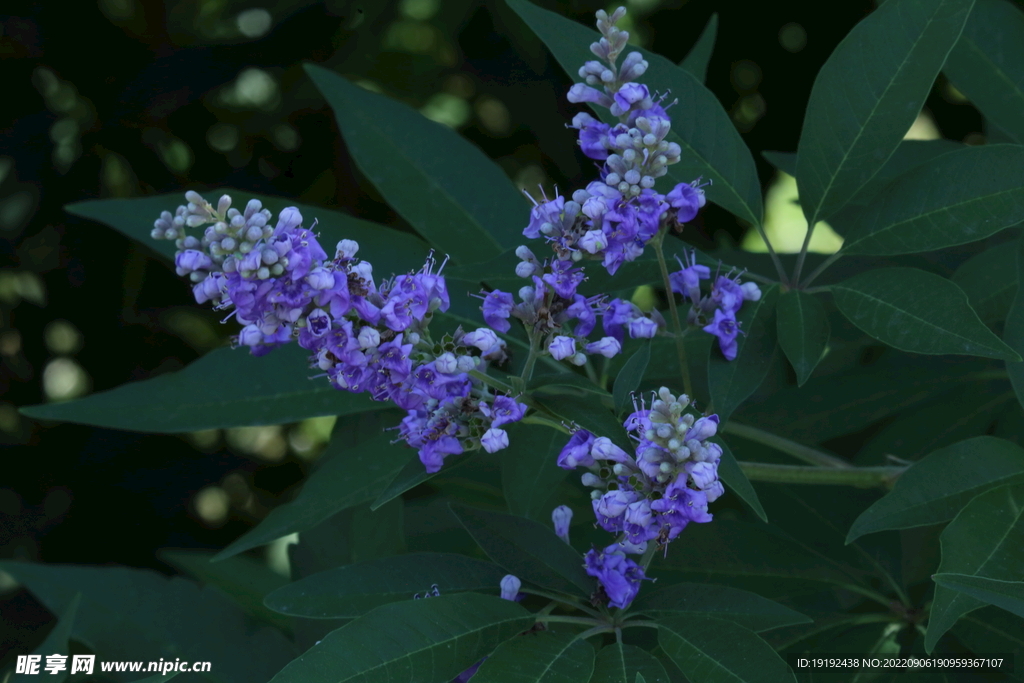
[{"x": 125, "y": 98}]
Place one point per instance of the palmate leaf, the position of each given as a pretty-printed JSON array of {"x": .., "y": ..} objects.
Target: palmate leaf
[
  {"x": 934, "y": 489},
  {"x": 986, "y": 540},
  {"x": 353, "y": 590},
  {"x": 711, "y": 146},
  {"x": 987, "y": 64},
  {"x": 868, "y": 94},
  {"x": 717, "y": 651},
  {"x": 130, "y": 614},
  {"x": 348, "y": 475},
  {"x": 913, "y": 310},
  {"x": 225, "y": 388},
  {"x": 56, "y": 643},
  {"x": 529, "y": 473},
  {"x": 956, "y": 198},
  {"x": 803, "y": 331},
  {"x": 444, "y": 186},
  {"x": 697, "y": 59},
  {"x": 528, "y": 549},
  {"x": 619, "y": 663},
  {"x": 747, "y": 609},
  {"x": 427, "y": 641},
  {"x": 732, "y": 381},
  {"x": 545, "y": 657}
]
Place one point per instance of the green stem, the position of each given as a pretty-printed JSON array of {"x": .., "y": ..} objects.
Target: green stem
[
  {"x": 561, "y": 599},
  {"x": 604, "y": 628},
  {"x": 492, "y": 381},
  {"x": 538, "y": 420},
  {"x": 677, "y": 328},
  {"x": 795, "y": 280},
  {"x": 571, "y": 620},
  {"x": 636, "y": 623},
  {"x": 861, "y": 477},
  {"x": 821, "y": 269},
  {"x": 771, "y": 252},
  {"x": 531, "y": 359},
  {"x": 809, "y": 455}
]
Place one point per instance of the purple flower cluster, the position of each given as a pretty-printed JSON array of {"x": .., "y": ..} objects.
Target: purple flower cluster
[
  {"x": 614, "y": 217},
  {"x": 715, "y": 312},
  {"x": 366, "y": 337},
  {"x": 652, "y": 494}
]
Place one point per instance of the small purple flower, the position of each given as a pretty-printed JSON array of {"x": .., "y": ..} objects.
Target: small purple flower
[
  {"x": 577, "y": 451},
  {"x": 616, "y": 316},
  {"x": 608, "y": 347},
  {"x": 686, "y": 199},
  {"x": 482, "y": 338},
  {"x": 561, "y": 517},
  {"x": 630, "y": 94},
  {"x": 510, "y": 586},
  {"x": 724, "y": 327},
  {"x": 618, "y": 575},
  {"x": 604, "y": 449},
  {"x": 562, "y": 347},
  {"x": 564, "y": 279},
  {"x": 687, "y": 281},
  {"x": 579, "y": 93},
  {"x": 728, "y": 294},
  {"x": 497, "y": 308},
  {"x": 494, "y": 439},
  {"x": 593, "y": 136},
  {"x": 703, "y": 428},
  {"x": 318, "y": 322},
  {"x": 503, "y": 411},
  {"x": 642, "y": 327}
]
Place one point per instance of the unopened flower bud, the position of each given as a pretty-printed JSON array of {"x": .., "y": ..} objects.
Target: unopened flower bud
[
  {"x": 510, "y": 586},
  {"x": 561, "y": 517}
]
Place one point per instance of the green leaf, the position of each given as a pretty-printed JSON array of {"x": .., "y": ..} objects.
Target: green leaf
[
  {"x": 987, "y": 64},
  {"x": 711, "y": 145},
  {"x": 747, "y": 609},
  {"x": 989, "y": 280},
  {"x": 733, "y": 381},
  {"x": 347, "y": 476},
  {"x": 135, "y": 615},
  {"x": 696, "y": 61},
  {"x": 717, "y": 651},
  {"x": 412, "y": 474},
  {"x": 868, "y": 94},
  {"x": 913, "y": 310},
  {"x": 224, "y": 388},
  {"x": 803, "y": 332},
  {"x": 619, "y": 663},
  {"x": 245, "y": 580},
  {"x": 353, "y": 590},
  {"x": 909, "y": 155},
  {"x": 56, "y": 643},
  {"x": 1006, "y": 594},
  {"x": 545, "y": 657},
  {"x": 594, "y": 418},
  {"x": 990, "y": 630},
  {"x": 1013, "y": 330},
  {"x": 848, "y": 402},
  {"x": 986, "y": 540},
  {"x": 934, "y": 489},
  {"x": 629, "y": 377},
  {"x": 782, "y": 161},
  {"x": 528, "y": 549},
  {"x": 390, "y": 250},
  {"x": 959, "y": 197},
  {"x": 444, "y": 186},
  {"x": 416, "y": 640},
  {"x": 755, "y": 556},
  {"x": 734, "y": 480},
  {"x": 530, "y": 476}
]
